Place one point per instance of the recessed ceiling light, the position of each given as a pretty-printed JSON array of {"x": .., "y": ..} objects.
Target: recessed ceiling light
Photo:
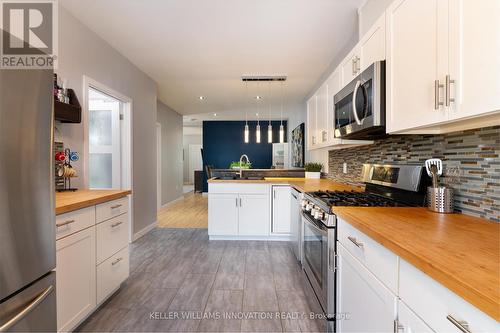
[
  {"x": 258, "y": 97},
  {"x": 257, "y": 114},
  {"x": 215, "y": 114},
  {"x": 202, "y": 98}
]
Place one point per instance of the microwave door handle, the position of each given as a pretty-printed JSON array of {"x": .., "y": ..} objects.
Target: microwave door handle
[{"x": 355, "y": 111}]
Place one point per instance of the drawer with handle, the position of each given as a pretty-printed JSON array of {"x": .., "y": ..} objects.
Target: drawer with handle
[
  {"x": 112, "y": 236},
  {"x": 439, "y": 307},
  {"x": 380, "y": 261},
  {"x": 69, "y": 223},
  {"x": 110, "y": 209},
  {"x": 111, "y": 273}
]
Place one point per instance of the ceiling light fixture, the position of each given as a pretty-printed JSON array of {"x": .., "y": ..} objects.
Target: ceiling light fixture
[
  {"x": 246, "y": 132},
  {"x": 202, "y": 98},
  {"x": 282, "y": 129},
  {"x": 215, "y": 114},
  {"x": 257, "y": 132},
  {"x": 269, "y": 127},
  {"x": 258, "y": 97}
]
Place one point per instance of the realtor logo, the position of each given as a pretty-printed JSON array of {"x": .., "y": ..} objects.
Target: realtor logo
[{"x": 29, "y": 36}]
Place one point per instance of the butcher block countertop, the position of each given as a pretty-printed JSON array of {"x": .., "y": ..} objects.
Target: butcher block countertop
[
  {"x": 70, "y": 201},
  {"x": 459, "y": 251},
  {"x": 301, "y": 184}
]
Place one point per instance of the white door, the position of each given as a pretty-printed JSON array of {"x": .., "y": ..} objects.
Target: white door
[
  {"x": 474, "y": 57},
  {"x": 104, "y": 141},
  {"x": 415, "y": 34},
  {"x": 372, "y": 45},
  {"x": 281, "y": 209},
  {"x": 76, "y": 278},
  {"x": 253, "y": 215},
  {"x": 409, "y": 322},
  {"x": 311, "y": 123},
  {"x": 158, "y": 166},
  {"x": 223, "y": 214},
  {"x": 350, "y": 66},
  {"x": 367, "y": 303},
  {"x": 322, "y": 114},
  {"x": 195, "y": 161}
]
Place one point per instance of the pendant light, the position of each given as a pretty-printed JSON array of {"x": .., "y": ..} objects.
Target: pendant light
[
  {"x": 282, "y": 129},
  {"x": 257, "y": 132},
  {"x": 269, "y": 127},
  {"x": 246, "y": 131}
]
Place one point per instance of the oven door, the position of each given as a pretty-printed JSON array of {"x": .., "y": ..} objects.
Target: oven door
[
  {"x": 359, "y": 107},
  {"x": 315, "y": 258}
]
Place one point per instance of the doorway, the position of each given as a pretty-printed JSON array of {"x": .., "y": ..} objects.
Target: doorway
[{"x": 195, "y": 161}]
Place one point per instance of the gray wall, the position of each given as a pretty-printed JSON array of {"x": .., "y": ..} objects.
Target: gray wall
[
  {"x": 470, "y": 164},
  {"x": 193, "y": 139},
  {"x": 82, "y": 52},
  {"x": 171, "y": 153}
]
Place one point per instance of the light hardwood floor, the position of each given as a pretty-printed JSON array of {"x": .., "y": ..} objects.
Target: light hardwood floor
[{"x": 192, "y": 212}]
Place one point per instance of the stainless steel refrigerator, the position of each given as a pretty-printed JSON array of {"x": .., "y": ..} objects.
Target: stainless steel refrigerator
[{"x": 27, "y": 221}]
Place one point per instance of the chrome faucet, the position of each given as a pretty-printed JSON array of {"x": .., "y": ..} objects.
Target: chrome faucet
[{"x": 241, "y": 160}]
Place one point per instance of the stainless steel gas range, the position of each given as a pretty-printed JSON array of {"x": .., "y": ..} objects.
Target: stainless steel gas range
[{"x": 386, "y": 186}]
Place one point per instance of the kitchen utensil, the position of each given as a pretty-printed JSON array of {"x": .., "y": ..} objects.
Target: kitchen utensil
[
  {"x": 434, "y": 161},
  {"x": 434, "y": 175},
  {"x": 440, "y": 199}
]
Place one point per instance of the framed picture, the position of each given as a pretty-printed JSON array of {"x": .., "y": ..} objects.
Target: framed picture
[{"x": 298, "y": 148}]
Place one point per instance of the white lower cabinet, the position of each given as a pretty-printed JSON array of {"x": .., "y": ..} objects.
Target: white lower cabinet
[
  {"x": 222, "y": 214},
  {"x": 244, "y": 211},
  {"x": 409, "y": 322},
  {"x": 253, "y": 215},
  {"x": 364, "y": 304},
  {"x": 76, "y": 278},
  {"x": 281, "y": 218},
  {"x": 92, "y": 259},
  {"x": 111, "y": 273}
]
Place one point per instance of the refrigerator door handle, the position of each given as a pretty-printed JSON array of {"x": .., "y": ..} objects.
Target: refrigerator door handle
[{"x": 30, "y": 307}]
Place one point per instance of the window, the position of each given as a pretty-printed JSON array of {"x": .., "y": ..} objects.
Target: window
[{"x": 104, "y": 140}]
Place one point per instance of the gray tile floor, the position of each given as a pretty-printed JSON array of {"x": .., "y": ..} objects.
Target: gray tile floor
[{"x": 182, "y": 282}]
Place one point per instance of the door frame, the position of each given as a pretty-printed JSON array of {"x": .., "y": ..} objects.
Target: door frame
[
  {"x": 158, "y": 167},
  {"x": 126, "y": 139}
]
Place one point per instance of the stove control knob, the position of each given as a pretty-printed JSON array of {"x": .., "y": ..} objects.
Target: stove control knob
[{"x": 318, "y": 215}]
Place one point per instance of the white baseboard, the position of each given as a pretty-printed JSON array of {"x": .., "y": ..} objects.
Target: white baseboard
[
  {"x": 170, "y": 203},
  {"x": 144, "y": 231},
  {"x": 252, "y": 238}
]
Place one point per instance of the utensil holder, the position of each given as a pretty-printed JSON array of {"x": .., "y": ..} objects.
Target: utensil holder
[{"x": 440, "y": 199}]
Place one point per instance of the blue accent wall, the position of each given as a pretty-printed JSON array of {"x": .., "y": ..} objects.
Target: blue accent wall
[{"x": 223, "y": 143}]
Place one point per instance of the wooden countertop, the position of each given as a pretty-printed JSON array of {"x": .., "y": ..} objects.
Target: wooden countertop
[
  {"x": 461, "y": 252},
  {"x": 70, "y": 201},
  {"x": 301, "y": 184}
]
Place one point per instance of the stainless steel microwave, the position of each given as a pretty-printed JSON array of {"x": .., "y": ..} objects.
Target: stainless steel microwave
[{"x": 359, "y": 107}]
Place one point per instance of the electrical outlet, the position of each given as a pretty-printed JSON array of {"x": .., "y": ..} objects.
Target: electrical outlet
[{"x": 344, "y": 167}]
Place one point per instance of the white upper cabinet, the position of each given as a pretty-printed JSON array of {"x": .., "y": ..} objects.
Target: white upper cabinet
[
  {"x": 312, "y": 139},
  {"x": 442, "y": 65},
  {"x": 334, "y": 84},
  {"x": 474, "y": 57},
  {"x": 322, "y": 114},
  {"x": 350, "y": 66},
  {"x": 372, "y": 45},
  {"x": 413, "y": 42}
]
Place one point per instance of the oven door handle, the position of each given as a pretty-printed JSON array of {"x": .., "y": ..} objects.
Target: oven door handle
[
  {"x": 354, "y": 109},
  {"x": 313, "y": 224}
]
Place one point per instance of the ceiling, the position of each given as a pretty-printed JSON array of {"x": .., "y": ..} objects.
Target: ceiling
[{"x": 195, "y": 48}]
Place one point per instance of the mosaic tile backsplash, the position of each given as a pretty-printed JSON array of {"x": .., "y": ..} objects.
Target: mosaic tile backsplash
[{"x": 471, "y": 164}]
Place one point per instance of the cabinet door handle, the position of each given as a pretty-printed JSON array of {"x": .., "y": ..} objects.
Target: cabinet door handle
[
  {"x": 314, "y": 140},
  {"x": 460, "y": 324},
  {"x": 358, "y": 64},
  {"x": 236, "y": 202},
  {"x": 398, "y": 327},
  {"x": 354, "y": 66},
  {"x": 437, "y": 102},
  {"x": 116, "y": 224},
  {"x": 62, "y": 224},
  {"x": 355, "y": 241},
  {"x": 116, "y": 261},
  {"x": 116, "y": 206},
  {"x": 447, "y": 89},
  {"x": 240, "y": 203}
]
